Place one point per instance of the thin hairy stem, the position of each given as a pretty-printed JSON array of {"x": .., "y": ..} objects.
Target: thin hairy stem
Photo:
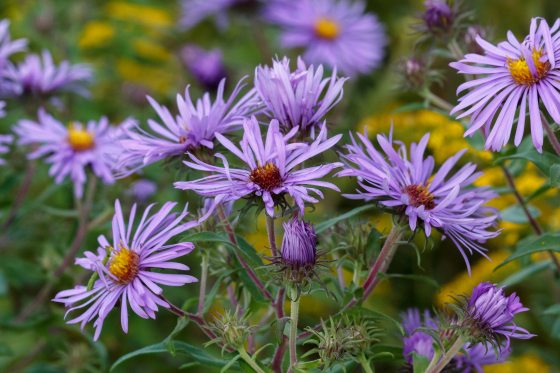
[
  {"x": 437, "y": 365},
  {"x": 203, "y": 280},
  {"x": 21, "y": 194},
  {"x": 245, "y": 356},
  {"x": 550, "y": 134},
  {"x": 294, "y": 314},
  {"x": 83, "y": 224},
  {"x": 436, "y": 100}
]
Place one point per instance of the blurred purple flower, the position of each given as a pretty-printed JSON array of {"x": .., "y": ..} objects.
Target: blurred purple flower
[
  {"x": 38, "y": 75},
  {"x": 143, "y": 189},
  {"x": 299, "y": 98},
  {"x": 334, "y": 32},
  {"x": 270, "y": 169},
  {"x": 207, "y": 67},
  {"x": 196, "y": 125},
  {"x": 195, "y": 11},
  {"x": 426, "y": 199},
  {"x": 125, "y": 268},
  {"x": 477, "y": 356},
  {"x": 2, "y": 109},
  {"x": 5, "y": 140},
  {"x": 438, "y": 15},
  {"x": 7, "y": 45},
  {"x": 490, "y": 313},
  {"x": 512, "y": 76},
  {"x": 299, "y": 244},
  {"x": 71, "y": 150}
]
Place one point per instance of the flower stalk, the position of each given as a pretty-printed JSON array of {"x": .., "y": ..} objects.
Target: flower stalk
[
  {"x": 294, "y": 314},
  {"x": 438, "y": 364}
]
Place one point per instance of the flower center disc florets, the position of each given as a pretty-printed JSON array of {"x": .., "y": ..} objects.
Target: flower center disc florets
[
  {"x": 521, "y": 73},
  {"x": 420, "y": 196},
  {"x": 124, "y": 265},
  {"x": 326, "y": 28},
  {"x": 267, "y": 177},
  {"x": 80, "y": 139}
]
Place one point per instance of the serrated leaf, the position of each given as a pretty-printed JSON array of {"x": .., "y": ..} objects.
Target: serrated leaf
[{"x": 329, "y": 223}]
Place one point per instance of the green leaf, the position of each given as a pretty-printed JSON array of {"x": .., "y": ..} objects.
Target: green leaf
[
  {"x": 521, "y": 275},
  {"x": 428, "y": 280},
  {"x": 544, "y": 161},
  {"x": 194, "y": 352},
  {"x": 534, "y": 244},
  {"x": 419, "y": 363},
  {"x": 516, "y": 214},
  {"x": 329, "y": 223},
  {"x": 552, "y": 310},
  {"x": 555, "y": 175},
  {"x": 182, "y": 323}
]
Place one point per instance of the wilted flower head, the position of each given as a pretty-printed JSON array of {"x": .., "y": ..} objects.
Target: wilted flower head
[
  {"x": 489, "y": 314},
  {"x": 338, "y": 33},
  {"x": 299, "y": 248},
  {"x": 438, "y": 16},
  {"x": 72, "y": 149},
  {"x": 425, "y": 199},
  {"x": 196, "y": 125},
  {"x": 123, "y": 269},
  {"x": 270, "y": 169},
  {"x": 300, "y": 98},
  {"x": 39, "y": 75},
  {"x": 512, "y": 76},
  {"x": 207, "y": 67},
  {"x": 7, "y": 45},
  {"x": 5, "y": 140}
]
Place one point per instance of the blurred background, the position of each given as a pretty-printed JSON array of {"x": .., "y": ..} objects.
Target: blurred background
[{"x": 136, "y": 49}]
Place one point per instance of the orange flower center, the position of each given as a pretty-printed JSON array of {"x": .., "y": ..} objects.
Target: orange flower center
[
  {"x": 124, "y": 265},
  {"x": 520, "y": 72},
  {"x": 420, "y": 196},
  {"x": 267, "y": 177},
  {"x": 80, "y": 139},
  {"x": 326, "y": 28}
]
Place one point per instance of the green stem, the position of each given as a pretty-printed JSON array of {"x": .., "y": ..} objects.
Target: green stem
[
  {"x": 245, "y": 356},
  {"x": 271, "y": 235},
  {"x": 436, "y": 100},
  {"x": 365, "y": 364},
  {"x": 203, "y": 279},
  {"x": 437, "y": 365},
  {"x": 294, "y": 314}
]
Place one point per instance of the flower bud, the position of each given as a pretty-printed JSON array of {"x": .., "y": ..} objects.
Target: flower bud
[
  {"x": 438, "y": 16},
  {"x": 299, "y": 245},
  {"x": 230, "y": 329}
]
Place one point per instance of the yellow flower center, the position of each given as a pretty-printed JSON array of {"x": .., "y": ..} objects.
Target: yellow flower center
[
  {"x": 420, "y": 196},
  {"x": 267, "y": 177},
  {"x": 80, "y": 139},
  {"x": 124, "y": 265},
  {"x": 521, "y": 73},
  {"x": 326, "y": 28}
]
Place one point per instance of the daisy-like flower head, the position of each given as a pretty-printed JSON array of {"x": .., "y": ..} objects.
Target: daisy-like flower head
[
  {"x": 207, "y": 67},
  {"x": 39, "y": 75},
  {"x": 125, "y": 268},
  {"x": 333, "y": 32},
  {"x": 427, "y": 200},
  {"x": 270, "y": 169},
  {"x": 7, "y": 45},
  {"x": 513, "y": 76},
  {"x": 5, "y": 140},
  {"x": 300, "y": 98},
  {"x": 489, "y": 315},
  {"x": 197, "y": 125},
  {"x": 71, "y": 149},
  {"x": 195, "y": 11}
]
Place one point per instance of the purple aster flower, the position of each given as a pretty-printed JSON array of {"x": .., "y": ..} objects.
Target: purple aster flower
[
  {"x": 207, "y": 67},
  {"x": 299, "y": 98},
  {"x": 489, "y": 314},
  {"x": 126, "y": 268},
  {"x": 72, "y": 149},
  {"x": 195, "y": 11},
  {"x": 39, "y": 75},
  {"x": 334, "y": 32},
  {"x": 270, "y": 168},
  {"x": 477, "y": 356},
  {"x": 512, "y": 77},
  {"x": 7, "y": 45},
  {"x": 2, "y": 109},
  {"x": 196, "y": 125},
  {"x": 143, "y": 189},
  {"x": 299, "y": 244},
  {"x": 428, "y": 200},
  {"x": 5, "y": 140}
]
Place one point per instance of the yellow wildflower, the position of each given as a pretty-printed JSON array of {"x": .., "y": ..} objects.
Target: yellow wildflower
[
  {"x": 96, "y": 34},
  {"x": 524, "y": 363},
  {"x": 137, "y": 13}
]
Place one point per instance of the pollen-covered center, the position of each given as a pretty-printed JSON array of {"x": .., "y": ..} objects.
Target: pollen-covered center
[
  {"x": 267, "y": 177},
  {"x": 124, "y": 265},
  {"x": 326, "y": 28},
  {"x": 80, "y": 139},
  {"x": 420, "y": 196},
  {"x": 521, "y": 73}
]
